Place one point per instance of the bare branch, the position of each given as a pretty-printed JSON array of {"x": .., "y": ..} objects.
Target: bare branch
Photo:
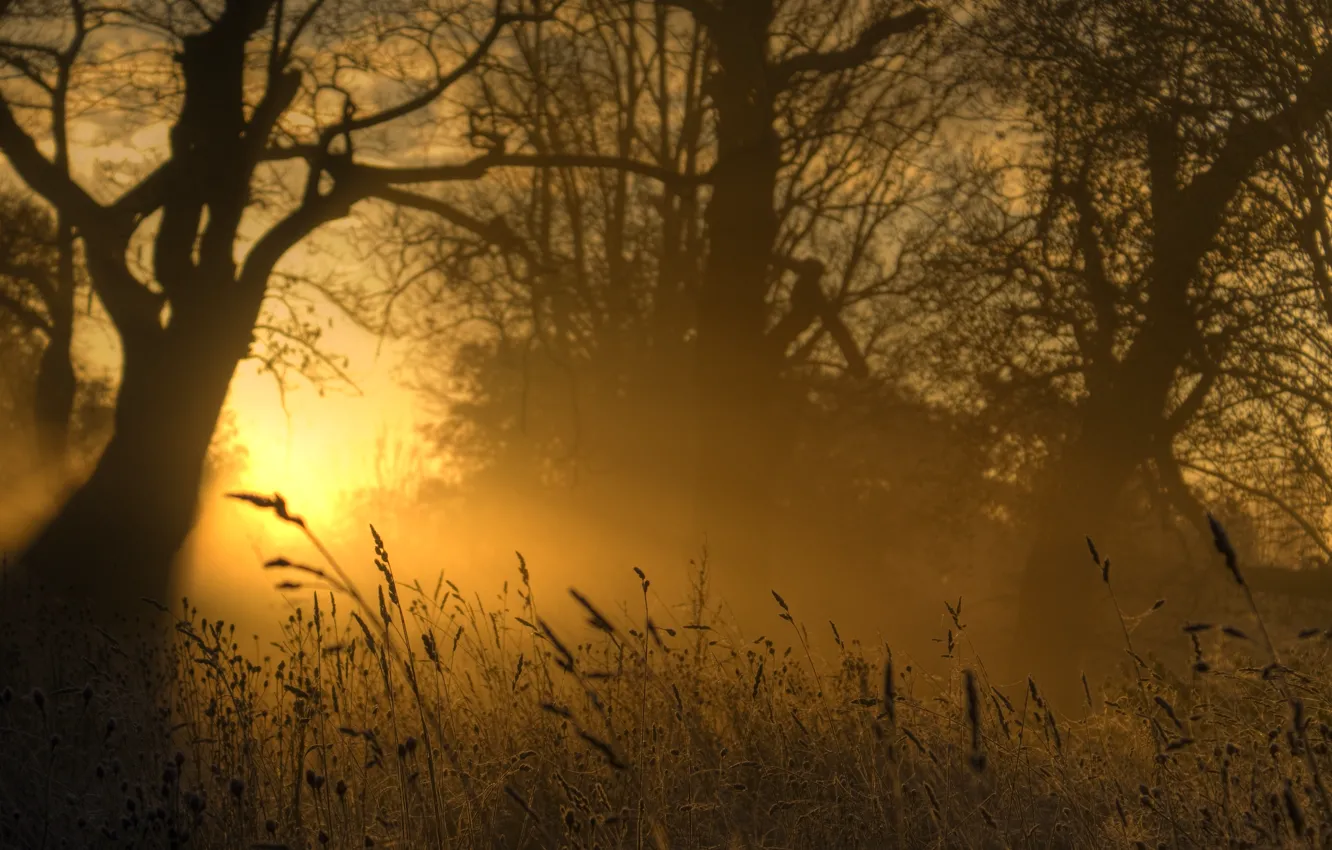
[
  {"x": 27, "y": 69},
  {"x": 312, "y": 349},
  {"x": 375, "y": 177},
  {"x": 314, "y": 212},
  {"x": 42, "y": 175},
  {"x": 496, "y": 232},
  {"x": 1315, "y": 536},
  {"x": 425, "y": 98},
  {"x": 863, "y": 51}
]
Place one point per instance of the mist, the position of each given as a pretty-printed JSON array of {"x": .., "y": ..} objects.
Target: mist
[
  {"x": 857, "y": 342},
  {"x": 671, "y": 423}
]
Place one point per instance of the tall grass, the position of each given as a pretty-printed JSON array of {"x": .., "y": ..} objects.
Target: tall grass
[{"x": 422, "y": 717}]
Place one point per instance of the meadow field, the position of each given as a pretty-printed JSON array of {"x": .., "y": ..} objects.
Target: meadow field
[
  {"x": 881, "y": 304},
  {"x": 423, "y": 716}
]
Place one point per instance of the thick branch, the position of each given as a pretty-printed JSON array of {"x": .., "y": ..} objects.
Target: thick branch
[
  {"x": 805, "y": 297},
  {"x": 104, "y": 233},
  {"x": 283, "y": 86},
  {"x": 808, "y": 303},
  {"x": 369, "y": 179},
  {"x": 841, "y": 334},
  {"x": 1104, "y": 296},
  {"x": 42, "y": 175},
  {"x": 315, "y": 211},
  {"x": 307, "y": 16},
  {"x": 864, "y": 50},
  {"x": 1250, "y": 141},
  {"x": 495, "y": 232},
  {"x": 1182, "y": 415},
  {"x": 1177, "y": 491},
  {"x": 144, "y": 198}
]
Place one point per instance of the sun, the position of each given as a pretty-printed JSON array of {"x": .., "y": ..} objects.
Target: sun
[
  {"x": 301, "y": 463},
  {"x": 315, "y": 450}
]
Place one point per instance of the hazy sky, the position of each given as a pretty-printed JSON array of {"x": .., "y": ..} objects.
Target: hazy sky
[
  {"x": 313, "y": 451},
  {"x": 318, "y": 444}
]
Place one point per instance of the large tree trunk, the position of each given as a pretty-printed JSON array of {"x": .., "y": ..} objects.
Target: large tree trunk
[
  {"x": 738, "y": 384},
  {"x": 113, "y": 543},
  {"x": 53, "y": 399},
  {"x": 739, "y": 389},
  {"x": 1061, "y": 609},
  {"x": 1064, "y": 615}
]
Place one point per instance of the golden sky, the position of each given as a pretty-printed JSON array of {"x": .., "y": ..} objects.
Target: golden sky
[
  {"x": 313, "y": 448},
  {"x": 318, "y": 445},
  {"x": 307, "y": 446}
]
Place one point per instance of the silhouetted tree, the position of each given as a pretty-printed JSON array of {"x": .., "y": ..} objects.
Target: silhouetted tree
[
  {"x": 1126, "y": 273},
  {"x": 768, "y": 89},
  {"x": 37, "y": 292},
  {"x": 270, "y": 105},
  {"x": 665, "y": 321}
]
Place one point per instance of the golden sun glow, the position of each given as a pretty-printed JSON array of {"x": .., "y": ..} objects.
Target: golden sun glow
[{"x": 315, "y": 450}]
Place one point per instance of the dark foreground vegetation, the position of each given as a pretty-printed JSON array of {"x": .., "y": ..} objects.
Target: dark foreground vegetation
[{"x": 425, "y": 717}]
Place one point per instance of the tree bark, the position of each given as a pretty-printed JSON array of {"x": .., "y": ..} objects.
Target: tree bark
[
  {"x": 738, "y": 385},
  {"x": 53, "y": 401},
  {"x": 1059, "y": 603},
  {"x": 113, "y": 543},
  {"x": 1063, "y": 613}
]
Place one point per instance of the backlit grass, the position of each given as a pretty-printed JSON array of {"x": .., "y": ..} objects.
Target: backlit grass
[{"x": 422, "y": 717}]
